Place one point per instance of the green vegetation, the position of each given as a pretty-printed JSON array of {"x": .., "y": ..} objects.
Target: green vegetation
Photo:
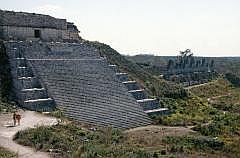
[
  {"x": 7, "y": 107},
  {"x": 215, "y": 88},
  {"x": 211, "y": 110},
  {"x": 223, "y": 97},
  {"x": 222, "y": 125},
  {"x": 220, "y": 94},
  {"x": 6, "y": 154},
  {"x": 187, "y": 112},
  {"x": 190, "y": 143},
  {"x": 234, "y": 79},
  {"x": 70, "y": 140}
]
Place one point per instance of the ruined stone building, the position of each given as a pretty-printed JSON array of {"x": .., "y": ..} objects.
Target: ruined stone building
[
  {"x": 52, "y": 67},
  {"x": 189, "y": 70},
  {"x": 23, "y": 26}
]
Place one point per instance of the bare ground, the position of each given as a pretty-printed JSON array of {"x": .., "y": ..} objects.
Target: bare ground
[{"x": 150, "y": 137}]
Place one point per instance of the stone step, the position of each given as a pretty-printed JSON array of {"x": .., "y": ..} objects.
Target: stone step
[
  {"x": 17, "y": 62},
  {"x": 28, "y": 83},
  {"x": 80, "y": 82},
  {"x": 101, "y": 112},
  {"x": 42, "y": 105},
  {"x": 96, "y": 103},
  {"x": 24, "y": 72},
  {"x": 103, "y": 122},
  {"x": 94, "y": 96},
  {"x": 131, "y": 85},
  {"x": 123, "y": 77},
  {"x": 158, "y": 111},
  {"x": 33, "y": 94},
  {"x": 37, "y": 100},
  {"x": 138, "y": 94},
  {"x": 90, "y": 88},
  {"x": 149, "y": 104},
  {"x": 114, "y": 68},
  {"x": 42, "y": 50},
  {"x": 14, "y": 53},
  {"x": 92, "y": 119}
]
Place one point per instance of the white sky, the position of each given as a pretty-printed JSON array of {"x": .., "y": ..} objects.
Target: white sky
[{"x": 160, "y": 27}]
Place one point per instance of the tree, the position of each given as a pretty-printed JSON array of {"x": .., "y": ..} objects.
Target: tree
[{"x": 235, "y": 80}]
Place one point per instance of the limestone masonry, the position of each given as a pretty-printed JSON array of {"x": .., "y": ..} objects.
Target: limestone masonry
[
  {"x": 52, "y": 67},
  {"x": 23, "y": 26}
]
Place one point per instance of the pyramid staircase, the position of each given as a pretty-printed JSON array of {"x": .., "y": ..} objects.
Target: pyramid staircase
[
  {"x": 30, "y": 93},
  {"x": 149, "y": 105},
  {"x": 75, "y": 78}
]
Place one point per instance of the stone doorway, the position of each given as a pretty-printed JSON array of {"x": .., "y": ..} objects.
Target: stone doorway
[{"x": 37, "y": 33}]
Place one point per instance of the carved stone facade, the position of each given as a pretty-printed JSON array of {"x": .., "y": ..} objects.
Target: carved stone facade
[{"x": 24, "y": 26}]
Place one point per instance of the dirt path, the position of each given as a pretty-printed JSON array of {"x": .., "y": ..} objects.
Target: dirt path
[
  {"x": 29, "y": 119},
  {"x": 166, "y": 130},
  {"x": 216, "y": 97},
  {"x": 198, "y": 85}
]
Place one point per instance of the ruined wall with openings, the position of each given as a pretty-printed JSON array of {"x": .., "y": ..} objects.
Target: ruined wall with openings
[{"x": 23, "y": 26}]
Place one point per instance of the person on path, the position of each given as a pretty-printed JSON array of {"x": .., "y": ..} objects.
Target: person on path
[
  {"x": 14, "y": 118},
  {"x": 18, "y": 117}
]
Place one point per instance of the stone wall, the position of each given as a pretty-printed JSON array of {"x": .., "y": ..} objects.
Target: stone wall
[
  {"x": 47, "y": 34},
  {"x": 10, "y": 18},
  {"x": 21, "y": 26},
  {"x": 20, "y": 33}
]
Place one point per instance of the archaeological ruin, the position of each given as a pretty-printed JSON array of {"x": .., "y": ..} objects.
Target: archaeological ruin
[
  {"x": 189, "y": 70},
  {"x": 53, "y": 68},
  {"x": 26, "y": 26}
]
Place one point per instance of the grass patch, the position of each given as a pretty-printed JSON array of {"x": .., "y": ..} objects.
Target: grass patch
[
  {"x": 190, "y": 143},
  {"x": 73, "y": 141},
  {"x": 187, "y": 112},
  {"x": 213, "y": 89},
  {"x": 6, "y": 154},
  {"x": 7, "y": 107},
  {"x": 227, "y": 125}
]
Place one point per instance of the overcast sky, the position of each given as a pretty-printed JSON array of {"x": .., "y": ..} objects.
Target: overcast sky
[{"x": 160, "y": 27}]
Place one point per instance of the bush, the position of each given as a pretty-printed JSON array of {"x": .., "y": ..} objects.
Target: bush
[
  {"x": 179, "y": 144},
  {"x": 224, "y": 124},
  {"x": 234, "y": 79},
  {"x": 6, "y": 154},
  {"x": 72, "y": 141},
  {"x": 186, "y": 112}
]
